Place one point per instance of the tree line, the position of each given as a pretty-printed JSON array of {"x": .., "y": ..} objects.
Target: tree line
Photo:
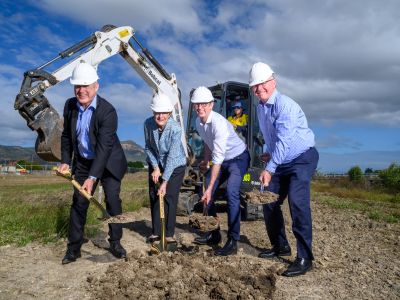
[{"x": 390, "y": 177}]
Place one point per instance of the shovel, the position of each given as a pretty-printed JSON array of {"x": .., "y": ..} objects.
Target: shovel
[
  {"x": 163, "y": 245},
  {"x": 106, "y": 218},
  {"x": 90, "y": 198},
  {"x": 204, "y": 223}
]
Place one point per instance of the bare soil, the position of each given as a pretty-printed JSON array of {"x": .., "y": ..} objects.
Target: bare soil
[
  {"x": 356, "y": 258},
  {"x": 257, "y": 197}
]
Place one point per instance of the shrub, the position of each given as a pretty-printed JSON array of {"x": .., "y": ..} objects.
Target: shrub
[
  {"x": 391, "y": 177},
  {"x": 136, "y": 164},
  {"x": 355, "y": 174}
]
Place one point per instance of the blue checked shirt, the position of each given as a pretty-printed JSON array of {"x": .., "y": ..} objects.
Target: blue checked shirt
[
  {"x": 165, "y": 151},
  {"x": 82, "y": 129},
  {"x": 284, "y": 128}
]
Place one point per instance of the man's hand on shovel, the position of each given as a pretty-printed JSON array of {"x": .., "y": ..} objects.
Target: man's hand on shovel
[
  {"x": 63, "y": 169},
  {"x": 67, "y": 174},
  {"x": 88, "y": 185}
]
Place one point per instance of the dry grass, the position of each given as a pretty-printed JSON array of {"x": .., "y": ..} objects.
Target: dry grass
[
  {"x": 36, "y": 208},
  {"x": 374, "y": 201}
]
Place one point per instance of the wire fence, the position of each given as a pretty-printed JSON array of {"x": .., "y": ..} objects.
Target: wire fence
[{"x": 47, "y": 169}]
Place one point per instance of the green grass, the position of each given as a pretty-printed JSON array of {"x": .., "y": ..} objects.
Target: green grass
[
  {"x": 36, "y": 208},
  {"x": 375, "y": 202}
]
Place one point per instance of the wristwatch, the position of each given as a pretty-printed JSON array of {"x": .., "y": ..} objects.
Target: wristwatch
[{"x": 92, "y": 178}]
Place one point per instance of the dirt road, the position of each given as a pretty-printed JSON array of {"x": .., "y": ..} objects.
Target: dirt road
[{"x": 356, "y": 258}]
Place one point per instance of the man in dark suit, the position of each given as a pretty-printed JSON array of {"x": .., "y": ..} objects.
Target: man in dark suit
[{"x": 89, "y": 143}]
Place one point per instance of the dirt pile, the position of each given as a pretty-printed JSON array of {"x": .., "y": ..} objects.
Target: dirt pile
[
  {"x": 185, "y": 276},
  {"x": 204, "y": 223},
  {"x": 257, "y": 197}
]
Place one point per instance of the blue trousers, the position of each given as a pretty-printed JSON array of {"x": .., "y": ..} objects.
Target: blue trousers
[
  {"x": 293, "y": 180},
  {"x": 232, "y": 171}
]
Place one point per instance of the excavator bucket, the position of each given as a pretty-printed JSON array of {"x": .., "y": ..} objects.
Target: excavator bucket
[
  {"x": 40, "y": 115},
  {"x": 49, "y": 126}
]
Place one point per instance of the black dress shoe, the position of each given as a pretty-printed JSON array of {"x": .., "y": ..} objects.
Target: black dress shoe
[
  {"x": 70, "y": 256},
  {"x": 117, "y": 250},
  {"x": 299, "y": 267},
  {"x": 229, "y": 248},
  {"x": 275, "y": 252},
  {"x": 209, "y": 238}
]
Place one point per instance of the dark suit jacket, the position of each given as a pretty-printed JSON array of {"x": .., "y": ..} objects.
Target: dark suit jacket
[{"x": 103, "y": 137}]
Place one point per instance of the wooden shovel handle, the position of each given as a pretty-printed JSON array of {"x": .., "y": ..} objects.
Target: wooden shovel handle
[{"x": 161, "y": 199}]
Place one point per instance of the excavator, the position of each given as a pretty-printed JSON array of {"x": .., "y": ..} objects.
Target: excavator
[
  {"x": 41, "y": 116},
  {"x": 110, "y": 40}
]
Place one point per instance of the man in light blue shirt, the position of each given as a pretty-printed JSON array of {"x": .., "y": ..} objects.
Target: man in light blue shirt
[{"x": 291, "y": 160}]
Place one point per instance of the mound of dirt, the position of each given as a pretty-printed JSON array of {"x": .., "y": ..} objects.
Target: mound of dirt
[
  {"x": 204, "y": 223},
  {"x": 183, "y": 276},
  {"x": 257, "y": 197}
]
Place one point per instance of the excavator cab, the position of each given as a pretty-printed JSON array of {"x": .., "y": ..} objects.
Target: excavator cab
[{"x": 225, "y": 95}]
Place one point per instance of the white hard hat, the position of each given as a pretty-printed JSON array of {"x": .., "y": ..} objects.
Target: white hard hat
[
  {"x": 83, "y": 74},
  {"x": 259, "y": 73},
  {"x": 161, "y": 103},
  {"x": 202, "y": 95}
]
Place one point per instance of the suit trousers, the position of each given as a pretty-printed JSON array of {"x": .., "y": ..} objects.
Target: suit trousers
[
  {"x": 292, "y": 180},
  {"x": 80, "y": 205},
  {"x": 170, "y": 202},
  {"x": 232, "y": 171}
]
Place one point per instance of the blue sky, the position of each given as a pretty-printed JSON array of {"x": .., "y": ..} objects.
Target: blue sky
[{"x": 338, "y": 59}]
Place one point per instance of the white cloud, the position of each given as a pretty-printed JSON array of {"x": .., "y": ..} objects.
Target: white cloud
[
  {"x": 141, "y": 14},
  {"x": 49, "y": 37},
  {"x": 13, "y": 126},
  {"x": 131, "y": 103},
  {"x": 327, "y": 56},
  {"x": 337, "y": 59}
]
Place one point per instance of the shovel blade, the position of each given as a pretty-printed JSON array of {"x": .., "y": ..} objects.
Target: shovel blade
[{"x": 157, "y": 248}]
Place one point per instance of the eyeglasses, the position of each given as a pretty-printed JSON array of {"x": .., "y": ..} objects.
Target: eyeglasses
[
  {"x": 254, "y": 87},
  {"x": 197, "y": 105}
]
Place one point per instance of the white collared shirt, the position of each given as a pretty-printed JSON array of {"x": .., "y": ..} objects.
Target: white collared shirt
[{"x": 220, "y": 137}]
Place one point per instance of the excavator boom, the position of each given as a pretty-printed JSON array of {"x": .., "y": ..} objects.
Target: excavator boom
[{"x": 41, "y": 116}]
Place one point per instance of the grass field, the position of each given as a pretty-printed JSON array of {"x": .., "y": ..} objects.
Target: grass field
[
  {"x": 376, "y": 202},
  {"x": 36, "y": 208}
]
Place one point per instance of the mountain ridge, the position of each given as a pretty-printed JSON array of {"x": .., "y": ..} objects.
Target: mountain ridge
[{"x": 133, "y": 152}]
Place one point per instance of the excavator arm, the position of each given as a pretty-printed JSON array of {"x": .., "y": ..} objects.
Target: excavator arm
[{"x": 40, "y": 115}]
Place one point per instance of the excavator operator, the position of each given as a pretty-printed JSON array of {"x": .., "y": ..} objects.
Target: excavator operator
[{"x": 239, "y": 119}]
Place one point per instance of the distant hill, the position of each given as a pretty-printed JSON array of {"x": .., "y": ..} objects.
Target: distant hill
[
  {"x": 133, "y": 152},
  {"x": 13, "y": 153}
]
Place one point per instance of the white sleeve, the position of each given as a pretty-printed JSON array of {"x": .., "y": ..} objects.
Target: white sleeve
[{"x": 220, "y": 140}]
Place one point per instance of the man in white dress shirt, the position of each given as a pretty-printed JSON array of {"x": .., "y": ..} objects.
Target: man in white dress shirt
[{"x": 230, "y": 160}]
